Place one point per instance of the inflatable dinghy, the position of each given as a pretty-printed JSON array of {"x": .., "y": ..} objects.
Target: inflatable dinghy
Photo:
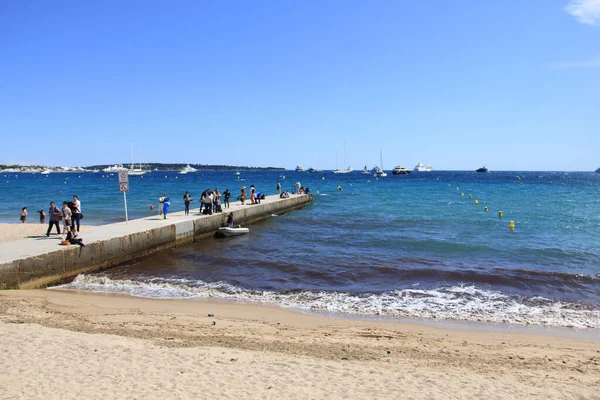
[{"x": 225, "y": 231}]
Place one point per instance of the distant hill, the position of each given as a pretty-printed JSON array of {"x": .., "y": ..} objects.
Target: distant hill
[{"x": 201, "y": 167}]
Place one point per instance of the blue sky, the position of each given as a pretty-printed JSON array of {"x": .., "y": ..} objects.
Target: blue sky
[{"x": 457, "y": 84}]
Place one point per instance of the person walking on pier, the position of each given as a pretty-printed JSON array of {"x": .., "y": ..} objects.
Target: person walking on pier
[
  {"x": 187, "y": 199},
  {"x": 54, "y": 214},
  {"x": 76, "y": 214}
]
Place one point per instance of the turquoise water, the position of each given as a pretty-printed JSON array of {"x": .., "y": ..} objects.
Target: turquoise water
[{"x": 406, "y": 246}]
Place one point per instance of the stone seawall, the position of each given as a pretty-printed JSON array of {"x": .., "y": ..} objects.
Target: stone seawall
[{"x": 39, "y": 262}]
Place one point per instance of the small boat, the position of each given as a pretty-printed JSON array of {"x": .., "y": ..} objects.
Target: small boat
[
  {"x": 226, "y": 231},
  {"x": 46, "y": 171},
  {"x": 299, "y": 168},
  {"x": 379, "y": 170},
  {"x": 187, "y": 169},
  {"x": 312, "y": 170},
  {"x": 401, "y": 170},
  {"x": 379, "y": 173},
  {"x": 482, "y": 169},
  {"x": 420, "y": 167},
  {"x": 365, "y": 170},
  {"x": 598, "y": 171}
]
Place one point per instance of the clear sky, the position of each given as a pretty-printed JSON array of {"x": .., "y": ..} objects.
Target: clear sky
[{"x": 514, "y": 85}]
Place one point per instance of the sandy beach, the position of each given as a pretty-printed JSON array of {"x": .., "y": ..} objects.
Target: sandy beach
[
  {"x": 78, "y": 345},
  {"x": 18, "y": 231}
]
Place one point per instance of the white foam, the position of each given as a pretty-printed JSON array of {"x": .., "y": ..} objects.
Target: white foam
[{"x": 463, "y": 303}]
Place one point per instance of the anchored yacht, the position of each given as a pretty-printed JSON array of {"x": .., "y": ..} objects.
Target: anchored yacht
[
  {"x": 401, "y": 170},
  {"x": 420, "y": 167},
  {"x": 299, "y": 168}
]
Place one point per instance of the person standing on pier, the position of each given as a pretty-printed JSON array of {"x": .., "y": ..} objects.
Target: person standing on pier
[
  {"x": 54, "y": 213},
  {"x": 23, "y": 217},
  {"x": 76, "y": 214},
  {"x": 243, "y": 195},
  {"x": 165, "y": 206},
  {"x": 252, "y": 194},
  {"x": 226, "y": 196},
  {"x": 278, "y": 187},
  {"x": 66, "y": 217},
  {"x": 187, "y": 199}
]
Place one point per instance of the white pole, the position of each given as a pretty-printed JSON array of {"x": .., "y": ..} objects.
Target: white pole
[{"x": 125, "y": 201}]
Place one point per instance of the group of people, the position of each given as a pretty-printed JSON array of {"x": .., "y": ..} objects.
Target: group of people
[
  {"x": 255, "y": 196},
  {"x": 69, "y": 214}
]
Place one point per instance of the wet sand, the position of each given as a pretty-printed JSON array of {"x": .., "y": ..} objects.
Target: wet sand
[{"x": 66, "y": 345}]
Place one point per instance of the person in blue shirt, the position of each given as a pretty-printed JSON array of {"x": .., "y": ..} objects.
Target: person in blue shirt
[{"x": 166, "y": 205}]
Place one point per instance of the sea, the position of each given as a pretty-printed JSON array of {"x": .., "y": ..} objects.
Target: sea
[{"x": 429, "y": 245}]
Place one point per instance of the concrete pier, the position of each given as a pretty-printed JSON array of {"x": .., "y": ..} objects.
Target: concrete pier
[{"x": 39, "y": 262}]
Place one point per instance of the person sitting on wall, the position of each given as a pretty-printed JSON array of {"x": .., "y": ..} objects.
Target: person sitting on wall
[{"x": 71, "y": 238}]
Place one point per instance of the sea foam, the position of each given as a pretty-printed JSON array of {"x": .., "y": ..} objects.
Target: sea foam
[{"x": 459, "y": 303}]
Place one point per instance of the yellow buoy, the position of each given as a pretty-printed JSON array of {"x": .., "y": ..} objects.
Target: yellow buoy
[
  {"x": 511, "y": 224},
  {"x": 165, "y": 177},
  {"x": 500, "y": 213},
  {"x": 462, "y": 194},
  {"x": 448, "y": 185},
  {"x": 457, "y": 188},
  {"x": 485, "y": 208},
  {"x": 323, "y": 178},
  {"x": 476, "y": 202}
]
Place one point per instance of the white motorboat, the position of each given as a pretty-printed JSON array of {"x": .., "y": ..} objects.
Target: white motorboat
[
  {"x": 420, "y": 167},
  {"x": 187, "y": 169},
  {"x": 299, "y": 168},
  {"x": 46, "y": 171},
  {"x": 237, "y": 173},
  {"x": 226, "y": 231},
  {"x": 401, "y": 170},
  {"x": 115, "y": 168}
]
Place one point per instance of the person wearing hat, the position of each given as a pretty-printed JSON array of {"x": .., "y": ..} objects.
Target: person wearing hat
[{"x": 243, "y": 195}]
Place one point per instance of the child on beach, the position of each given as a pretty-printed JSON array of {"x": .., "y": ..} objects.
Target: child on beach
[
  {"x": 42, "y": 216},
  {"x": 23, "y": 217}
]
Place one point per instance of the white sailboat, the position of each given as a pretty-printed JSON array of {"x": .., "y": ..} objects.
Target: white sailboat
[
  {"x": 366, "y": 170},
  {"x": 343, "y": 170},
  {"x": 379, "y": 171},
  {"x": 132, "y": 169}
]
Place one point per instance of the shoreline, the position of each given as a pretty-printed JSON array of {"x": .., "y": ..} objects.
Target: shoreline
[
  {"x": 591, "y": 334},
  {"x": 266, "y": 352}
]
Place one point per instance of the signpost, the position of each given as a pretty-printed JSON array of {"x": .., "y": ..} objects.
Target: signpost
[{"x": 124, "y": 187}]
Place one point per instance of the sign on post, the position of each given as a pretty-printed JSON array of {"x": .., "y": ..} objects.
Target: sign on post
[{"x": 124, "y": 187}]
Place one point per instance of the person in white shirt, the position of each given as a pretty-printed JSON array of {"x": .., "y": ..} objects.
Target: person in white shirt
[
  {"x": 76, "y": 214},
  {"x": 66, "y": 217}
]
